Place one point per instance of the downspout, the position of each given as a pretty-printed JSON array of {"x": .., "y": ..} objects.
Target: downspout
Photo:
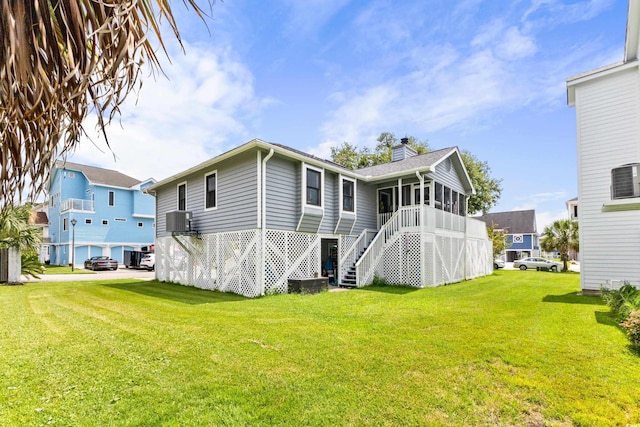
[
  {"x": 263, "y": 226},
  {"x": 422, "y": 253}
]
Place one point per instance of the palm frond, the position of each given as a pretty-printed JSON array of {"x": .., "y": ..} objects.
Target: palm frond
[{"x": 60, "y": 60}]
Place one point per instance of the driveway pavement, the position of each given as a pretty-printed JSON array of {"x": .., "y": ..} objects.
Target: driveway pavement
[
  {"x": 120, "y": 273},
  {"x": 572, "y": 267}
]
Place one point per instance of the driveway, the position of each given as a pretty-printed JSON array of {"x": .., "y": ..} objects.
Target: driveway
[
  {"x": 572, "y": 267},
  {"x": 120, "y": 273}
]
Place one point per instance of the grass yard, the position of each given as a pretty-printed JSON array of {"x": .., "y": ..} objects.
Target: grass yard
[
  {"x": 63, "y": 269},
  {"x": 514, "y": 348}
]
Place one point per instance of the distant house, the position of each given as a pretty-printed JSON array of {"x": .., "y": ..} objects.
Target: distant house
[
  {"x": 254, "y": 217},
  {"x": 521, "y": 230},
  {"x": 572, "y": 213},
  {"x": 607, "y": 103},
  {"x": 572, "y": 209},
  {"x": 40, "y": 219},
  {"x": 110, "y": 211}
]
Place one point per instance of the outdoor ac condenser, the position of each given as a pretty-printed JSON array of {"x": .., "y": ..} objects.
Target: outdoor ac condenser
[
  {"x": 179, "y": 222},
  {"x": 625, "y": 181}
]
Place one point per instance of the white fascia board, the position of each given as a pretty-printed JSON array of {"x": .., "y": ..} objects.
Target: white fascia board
[
  {"x": 632, "y": 36},
  {"x": 607, "y": 70}
]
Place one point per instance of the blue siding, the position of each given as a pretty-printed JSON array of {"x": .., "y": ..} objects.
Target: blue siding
[
  {"x": 526, "y": 244},
  {"x": 123, "y": 227}
]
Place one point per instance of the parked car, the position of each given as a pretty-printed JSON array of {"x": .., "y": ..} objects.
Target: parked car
[
  {"x": 498, "y": 263},
  {"x": 101, "y": 263},
  {"x": 536, "y": 263},
  {"x": 148, "y": 261}
]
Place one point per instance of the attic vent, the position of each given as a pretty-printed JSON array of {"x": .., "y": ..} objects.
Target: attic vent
[{"x": 625, "y": 182}]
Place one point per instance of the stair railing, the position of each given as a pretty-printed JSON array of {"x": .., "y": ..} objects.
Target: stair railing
[
  {"x": 405, "y": 217},
  {"x": 352, "y": 254}
]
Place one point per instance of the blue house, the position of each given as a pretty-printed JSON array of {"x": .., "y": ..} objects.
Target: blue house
[
  {"x": 97, "y": 212},
  {"x": 521, "y": 230}
]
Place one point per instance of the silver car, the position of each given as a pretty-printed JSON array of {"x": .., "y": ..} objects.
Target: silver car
[{"x": 536, "y": 263}]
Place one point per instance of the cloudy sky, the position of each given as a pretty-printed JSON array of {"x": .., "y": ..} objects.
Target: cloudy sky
[{"x": 486, "y": 76}]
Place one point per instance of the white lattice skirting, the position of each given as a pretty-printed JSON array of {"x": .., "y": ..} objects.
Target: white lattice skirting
[{"x": 230, "y": 262}]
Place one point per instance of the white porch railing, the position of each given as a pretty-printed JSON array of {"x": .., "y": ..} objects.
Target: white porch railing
[
  {"x": 433, "y": 218},
  {"x": 76, "y": 205},
  {"x": 351, "y": 254}
]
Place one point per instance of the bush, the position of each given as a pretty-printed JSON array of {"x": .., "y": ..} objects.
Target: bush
[
  {"x": 379, "y": 281},
  {"x": 622, "y": 301},
  {"x": 632, "y": 327}
]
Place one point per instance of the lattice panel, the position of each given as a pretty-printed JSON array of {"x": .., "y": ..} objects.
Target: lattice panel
[
  {"x": 393, "y": 261},
  {"x": 413, "y": 262},
  {"x": 290, "y": 255}
]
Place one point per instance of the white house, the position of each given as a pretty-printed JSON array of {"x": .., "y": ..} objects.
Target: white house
[{"x": 607, "y": 103}]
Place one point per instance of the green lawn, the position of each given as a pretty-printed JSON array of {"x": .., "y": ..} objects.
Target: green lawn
[
  {"x": 63, "y": 269},
  {"x": 514, "y": 348}
]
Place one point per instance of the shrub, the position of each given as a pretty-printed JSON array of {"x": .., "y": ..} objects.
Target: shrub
[
  {"x": 632, "y": 328},
  {"x": 379, "y": 281},
  {"x": 622, "y": 301}
]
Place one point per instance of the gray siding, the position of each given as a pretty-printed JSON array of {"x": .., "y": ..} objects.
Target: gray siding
[
  {"x": 283, "y": 193},
  {"x": 236, "y": 197},
  {"x": 447, "y": 175},
  {"x": 331, "y": 195},
  {"x": 366, "y": 206}
]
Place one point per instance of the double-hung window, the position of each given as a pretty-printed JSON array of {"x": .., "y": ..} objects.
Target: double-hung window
[
  {"x": 348, "y": 195},
  {"x": 314, "y": 187},
  {"x": 182, "y": 196},
  {"x": 211, "y": 190}
]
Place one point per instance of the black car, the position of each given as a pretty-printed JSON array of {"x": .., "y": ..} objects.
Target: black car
[{"x": 101, "y": 263}]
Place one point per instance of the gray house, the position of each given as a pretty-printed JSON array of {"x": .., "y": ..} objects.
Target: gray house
[{"x": 254, "y": 217}]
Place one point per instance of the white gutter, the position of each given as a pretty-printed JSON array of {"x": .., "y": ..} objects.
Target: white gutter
[{"x": 263, "y": 209}]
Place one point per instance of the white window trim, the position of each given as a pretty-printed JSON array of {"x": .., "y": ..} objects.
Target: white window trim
[
  {"x": 304, "y": 186},
  {"x": 120, "y": 219},
  {"x": 103, "y": 222},
  {"x": 109, "y": 193},
  {"x": 65, "y": 224},
  {"x": 186, "y": 199},
  {"x": 215, "y": 172},
  {"x": 140, "y": 224},
  {"x": 88, "y": 221},
  {"x": 340, "y": 191}
]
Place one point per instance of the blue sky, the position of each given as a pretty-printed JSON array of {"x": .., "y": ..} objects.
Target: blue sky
[{"x": 486, "y": 76}]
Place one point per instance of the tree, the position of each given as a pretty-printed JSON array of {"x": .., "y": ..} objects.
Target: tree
[
  {"x": 498, "y": 239},
  {"x": 488, "y": 189},
  {"x": 59, "y": 61},
  {"x": 17, "y": 232},
  {"x": 563, "y": 236}
]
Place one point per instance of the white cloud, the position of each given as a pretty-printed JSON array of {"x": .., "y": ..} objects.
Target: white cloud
[{"x": 179, "y": 121}]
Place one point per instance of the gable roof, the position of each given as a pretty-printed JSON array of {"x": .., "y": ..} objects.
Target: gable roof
[
  {"x": 100, "y": 176},
  {"x": 423, "y": 163},
  {"x": 415, "y": 162},
  {"x": 514, "y": 222}
]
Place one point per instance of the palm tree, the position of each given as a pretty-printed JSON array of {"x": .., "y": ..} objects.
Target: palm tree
[
  {"x": 60, "y": 60},
  {"x": 17, "y": 232},
  {"x": 563, "y": 236}
]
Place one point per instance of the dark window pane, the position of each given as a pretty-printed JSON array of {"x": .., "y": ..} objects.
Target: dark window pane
[
  {"x": 347, "y": 195},
  {"x": 313, "y": 187},
  {"x": 211, "y": 191},
  {"x": 182, "y": 197}
]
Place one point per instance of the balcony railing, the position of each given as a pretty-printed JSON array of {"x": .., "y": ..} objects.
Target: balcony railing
[{"x": 76, "y": 205}]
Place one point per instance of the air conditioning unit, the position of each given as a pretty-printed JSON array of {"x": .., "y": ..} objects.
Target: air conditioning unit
[
  {"x": 179, "y": 221},
  {"x": 625, "y": 181}
]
